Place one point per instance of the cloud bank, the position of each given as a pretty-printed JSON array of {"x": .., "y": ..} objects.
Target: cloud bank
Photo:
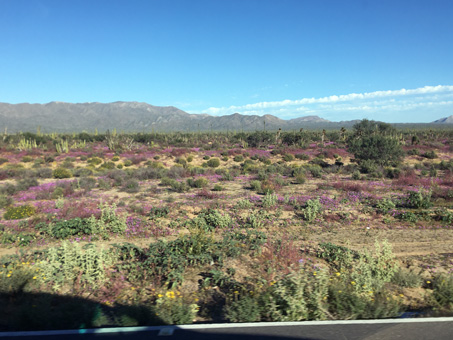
[{"x": 405, "y": 105}]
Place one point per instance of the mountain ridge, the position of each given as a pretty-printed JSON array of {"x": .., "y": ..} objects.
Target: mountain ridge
[{"x": 134, "y": 116}]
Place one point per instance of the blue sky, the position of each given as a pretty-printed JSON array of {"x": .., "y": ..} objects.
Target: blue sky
[{"x": 340, "y": 60}]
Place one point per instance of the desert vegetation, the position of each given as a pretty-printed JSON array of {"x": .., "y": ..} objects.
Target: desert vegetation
[{"x": 172, "y": 228}]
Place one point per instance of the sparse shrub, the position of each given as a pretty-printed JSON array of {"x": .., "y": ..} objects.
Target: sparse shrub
[
  {"x": 267, "y": 186},
  {"x": 256, "y": 185},
  {"x": 156, "y": 157},
  {"x": 384, "y": 205},
  {"x": 217, "y": 187},
  {"x": 26, "y": 159},
  {"x": 345, "y": 303},
  {"x": 302, "y": 156},
  {"x": 173, "y": 310},
  {"x": 176, "y": 172},
  {"x": 108, "y": 166},
  {"x": 299, "y": 296},
  {"x": 82, "y": 172},
  {"x": 407, "y": 216},
  {"x": 62, "y": 173},
  {"x": 70, "y": 262},
  {"x": 49, "y": 159},
  {"x": 5, "y": 201},
  {"x": 62, "y": 229},
  {"x": 87, "y": 183},
  {"x": 104, "y": 184},
  {"x": 243, "y": 308},
  {"x": 189, "y": 158},
  {"x": 372, "y": 141},
  {"x": 238, "y": 158},
  {"x": 244, "y": 204},
  {"x": 312, "y": 210},
  {"x": 288, "y": 157},
  {"x": 270, "y": 200},
  {"x": 181, "y": 161},
  {"x": 299, "y": 178},
  {"x": 19, "y": 212},
  {"x": 94, "y": 161},
  {"x": 58, "y": 192},
  {"x": 356, "y": 175},
  {"x": 206, "y": 157},
  {"x": 417, "y": 200},
  {"x": 443, "y": 291},
  {"x": 213, "y": 162},
  {"x": 407, "y": 278},
  {"x": 115, "y": 158},
  {"x": 430, "y": 154},
  {"x": 200, "y": 182},
  {"x": 158, "y": 212},
  {"x": 413, "y": 152},
  {"x": 131, "y": 186},
  {"x": 315, "y": 171},
  {"x": 26, "y": 183},
  {"x": 392, "y": 173}
]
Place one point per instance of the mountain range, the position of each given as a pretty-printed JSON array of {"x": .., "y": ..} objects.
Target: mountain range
[{"x": 143, "y": 117}]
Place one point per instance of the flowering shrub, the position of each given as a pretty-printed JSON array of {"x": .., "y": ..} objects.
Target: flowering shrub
[{"x": 19, "y": 212}]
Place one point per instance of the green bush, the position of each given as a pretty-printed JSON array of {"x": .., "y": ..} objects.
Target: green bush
[
  {"x": 238, "y": 158},
  {"x": 213, "y": 162},
  {"x": 301, "y": 295},
  {"x": 384, "y": 205},
  {"x": 288, "y": 157},
  {"x": 158, "y": 212},
  {"x": 62, "y": 173},
  {"x": 443, "y": 291},
  {"x": 131, "y": 186},
  {"x": 430, "y": 154},
  {"x": 312, "y": 210},
  {"x": 299, "y": 178},
  {"x": 26, "y": 159},
  {"x": 418, "y": 200},
  {"x": 68, "y": 263},
  {"x": 115, "y": 159},
  {"x": 270, "y": 200},
  {"x": 356, "y": 175},
  {"x": 256, "y": 185},
  {"x": 62, "y": 229},
  {"x": 5, "y": 201},
  {"x": 19, "y": 212},
  {"x": 217, "y": 187},
  {"x": 345, "y": 303},
  {"x": 127, "y": 163},
  {"x": 302, "y": 156},
  {"x": 407, "y": 278},
  {"x": 175, "y": 311},
  {"x": 94, "y": 161},
  {"x": 242, "y": 309},
  {"x": 181, "y": 161},
  {"x": 373, "y": 141},
  {"x": 87, "y": 183}
]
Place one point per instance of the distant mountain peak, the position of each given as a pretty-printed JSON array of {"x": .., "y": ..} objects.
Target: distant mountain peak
[{"x": 445, "y": 120}]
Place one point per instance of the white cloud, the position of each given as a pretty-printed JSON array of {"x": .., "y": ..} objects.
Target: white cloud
[{"x": 396, "y": 100}]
